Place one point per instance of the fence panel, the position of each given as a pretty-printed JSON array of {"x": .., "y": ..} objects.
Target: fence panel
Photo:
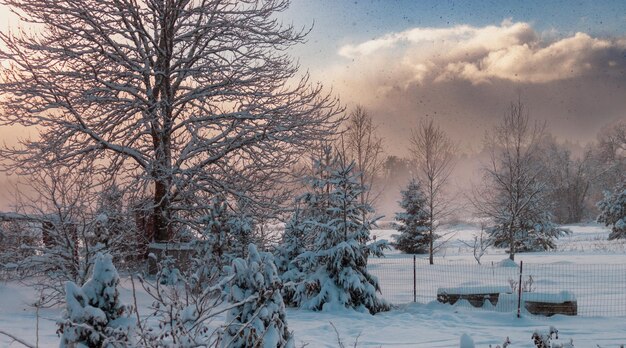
[{"x": 584, "y": 289}]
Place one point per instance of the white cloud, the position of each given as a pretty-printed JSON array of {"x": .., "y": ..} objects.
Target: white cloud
[
  {"x": 465, "y": 76},
  {"x": 510, "y": 51}
]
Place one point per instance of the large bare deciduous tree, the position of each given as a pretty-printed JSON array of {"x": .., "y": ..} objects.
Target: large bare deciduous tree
[
  {"x": 184, "y": 97},
  {"x": 433, "y": 152}
]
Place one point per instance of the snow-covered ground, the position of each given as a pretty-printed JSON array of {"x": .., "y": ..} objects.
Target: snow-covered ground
[{"x": 410, "y": 324}]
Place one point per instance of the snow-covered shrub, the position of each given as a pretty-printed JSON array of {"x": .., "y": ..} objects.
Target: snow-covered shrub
[
  {"x": 115, "y": 230},
  {"x": 257, "y": 318},
  {"x": 542, "y": 338},
  {"x": 183, "y": 311},
  {"x": 169, "y": 274},
  {"x": 336, "y": 267},
  {"x": 505, "y": 344},
  {"x": 74, "y": 222},
  {"x": 14, "y": 235},
  {"x": 414, "y": 235},
  {"x": 94, "y": 316},
  {"x": 533, "y": 231},
  {"x": 613, "y": 212}
]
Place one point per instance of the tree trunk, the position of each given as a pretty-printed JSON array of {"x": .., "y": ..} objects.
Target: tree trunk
[
  {"x": 430, "y": 256},
  {"x": 161, "y": 212},
  {"x": 511, "y": 243},
  {"x": 431, "y": 204}
]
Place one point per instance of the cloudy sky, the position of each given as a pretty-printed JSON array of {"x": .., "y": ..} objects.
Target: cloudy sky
[{"x": 462, "y": 63}]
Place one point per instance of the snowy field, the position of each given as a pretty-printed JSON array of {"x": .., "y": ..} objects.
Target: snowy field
[{"x": 425, "y": 324}]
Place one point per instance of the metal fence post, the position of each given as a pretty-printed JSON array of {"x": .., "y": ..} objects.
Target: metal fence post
[
  {"x": 414, "y": 281},
  {"x": 519, "y": 290}
]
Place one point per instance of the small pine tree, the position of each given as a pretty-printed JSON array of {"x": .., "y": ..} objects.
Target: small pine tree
[
  {"x": 533, "y": 231},
  {"x": 336, "y": 268},
  {"x": 294, "y": 242},
  {"x": 212, "y": 246},
  {"x": 414, "y": 237},
  {"x": 613, "y": 211},
  {"x": 240, "y": 227},
  {"x": 94, "y": 316},
  {"x": 114, "y": 229},
  {"x": 259, "y": 320}
]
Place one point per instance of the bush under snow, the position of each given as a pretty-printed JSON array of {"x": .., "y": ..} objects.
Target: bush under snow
[
  {"x": 257, "y": 318},
  {"x": 94, "y": 316}
]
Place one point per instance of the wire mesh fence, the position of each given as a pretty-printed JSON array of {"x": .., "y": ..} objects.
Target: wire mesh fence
[{"x": 546, "y": 289}]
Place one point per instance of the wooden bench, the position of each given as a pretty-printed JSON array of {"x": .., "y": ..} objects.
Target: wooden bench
[{"x": 475, "y": 295}]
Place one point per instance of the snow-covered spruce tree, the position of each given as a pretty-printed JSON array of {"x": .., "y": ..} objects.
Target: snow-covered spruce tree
[
  {"x": 533, "y": 230},
  {"x": 258, "y": 317},
  {"x": 304, "y": 226},
  {"x": 94, "y": 316},
  {"x": 613, "y": 211},
  {"x": 241, "y": 232},
  {"x": 414, "y": 237},
  {"x": 336, "y": 267},
  {"x": 212, "y": 246},
  {"x": 295, "y": 241}
]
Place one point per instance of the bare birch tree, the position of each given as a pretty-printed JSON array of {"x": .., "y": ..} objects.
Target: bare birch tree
[
  {"x": 433, "y": 152},
  {"x": 363, "y": 145},
  {"x": 513, "y": 195},
  {"x": 185, "y": 97}
]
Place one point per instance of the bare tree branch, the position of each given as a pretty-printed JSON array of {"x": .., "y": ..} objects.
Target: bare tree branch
[
  {"x": 182, "y": 98},
  {"x": 433, "y": 153}
]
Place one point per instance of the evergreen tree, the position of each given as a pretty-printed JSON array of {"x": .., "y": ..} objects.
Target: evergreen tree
[
  {"x": 225, "y": 236},
  {"x": 613, "y": 211},
  {"x": 294, "y": 242},
  {"x": 114, "y": 229},
  {"x": 532, "y": 231},
  {"x": 259, "y": 320},
  {"x": 240, "y": 227},
  {"x": 414, "y": 237},
  {"x": 336, "y": 267},
  {"x": 305, "y": 223},
  {"x": 94, "y": 316},
  {"x": 212, "y": 247}
]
